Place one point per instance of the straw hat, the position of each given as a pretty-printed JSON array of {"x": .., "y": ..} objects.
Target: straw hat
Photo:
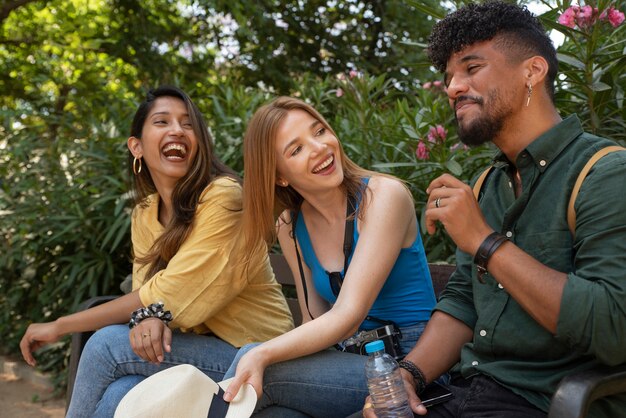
[{"x": 184, "y": 391}]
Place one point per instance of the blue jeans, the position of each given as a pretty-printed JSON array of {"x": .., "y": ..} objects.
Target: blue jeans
[
  {"x": 482, "y": 397},
  {"x": 109, "y": 368},
  {"x": 327, "y": 384}
]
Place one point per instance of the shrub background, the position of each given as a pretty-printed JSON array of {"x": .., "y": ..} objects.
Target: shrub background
[{"x": 73, "y": 71}]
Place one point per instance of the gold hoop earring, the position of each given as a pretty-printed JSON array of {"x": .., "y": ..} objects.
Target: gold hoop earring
[
  {"x": 530, "y": 92},
  {"x": 137, "y": 165}
]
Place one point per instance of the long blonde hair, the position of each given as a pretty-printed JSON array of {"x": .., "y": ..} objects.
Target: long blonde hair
[{"x": 263, "y": 200}]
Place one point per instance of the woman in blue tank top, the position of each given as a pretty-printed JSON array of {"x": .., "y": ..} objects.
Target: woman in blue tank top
[{"x": 294, "y": 162}]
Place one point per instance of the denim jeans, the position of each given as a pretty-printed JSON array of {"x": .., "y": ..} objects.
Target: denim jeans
[
  {"x": 109, "y": 368},
  {"x": 327, "y": 384},
  {"x": 482, "y": 397}
]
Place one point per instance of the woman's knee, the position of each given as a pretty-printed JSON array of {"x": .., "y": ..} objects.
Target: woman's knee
[
  {"x": 243, "y": 350},
  {"x": 107, "y": 339}
]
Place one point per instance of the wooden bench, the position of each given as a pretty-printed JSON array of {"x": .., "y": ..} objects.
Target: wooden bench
[{"x": 572, "y": 398}]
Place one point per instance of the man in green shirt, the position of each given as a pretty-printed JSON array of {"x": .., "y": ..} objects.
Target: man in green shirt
[{"x": 530, "y": 302}]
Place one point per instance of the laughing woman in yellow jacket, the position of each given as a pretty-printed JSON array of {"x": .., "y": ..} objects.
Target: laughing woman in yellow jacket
[{"x": 189, "y": 269}]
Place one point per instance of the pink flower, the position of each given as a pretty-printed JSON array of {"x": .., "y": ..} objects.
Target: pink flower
[
  {"x": 459, "y": 145},
  {"x": 339, "y": 92},
  {"x": 437, "y": 83},
  {"x": 353, "y": 73},
  {"x": 437, "y": 134},
  {"x": 615, "y": 17},
  {"x": 421, "y": 152},
  {"x": 427, "y": 85},
  {"x": 586, "y": 17},
  {"x": 568, "y": 18}
]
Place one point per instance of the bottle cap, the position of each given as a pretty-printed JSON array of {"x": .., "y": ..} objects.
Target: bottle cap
[{"x": 374, "y": 346}]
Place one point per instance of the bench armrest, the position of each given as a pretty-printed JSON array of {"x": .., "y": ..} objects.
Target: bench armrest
[{"x": 577, "y": 391}]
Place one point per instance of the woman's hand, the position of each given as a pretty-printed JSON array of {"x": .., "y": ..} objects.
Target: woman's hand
[
  {"x": 250, "y": 370},
  {"x": 36, "y": 336},
  {"x": 149, "y": 338}
]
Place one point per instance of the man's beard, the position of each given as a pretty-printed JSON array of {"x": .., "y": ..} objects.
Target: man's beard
[{"x": 486, "y": 127}]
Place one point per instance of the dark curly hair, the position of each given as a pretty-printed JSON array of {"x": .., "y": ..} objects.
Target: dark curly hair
[{"x": 519, "y": 34}]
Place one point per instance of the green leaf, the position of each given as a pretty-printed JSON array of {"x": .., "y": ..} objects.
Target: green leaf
[
  {"x": 418, "y": 119},
  {"x": 454, "y": 167},
  {"x": 567, "y": 59},
  {"x": 92, "y": 43},
  {"x": 411, "y": 132},
  {"x": 426, "y": 9},
  {"x": 600, "y": 86}
]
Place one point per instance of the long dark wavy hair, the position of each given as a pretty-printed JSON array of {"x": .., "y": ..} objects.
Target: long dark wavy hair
[{"x": 205, "y": 167}]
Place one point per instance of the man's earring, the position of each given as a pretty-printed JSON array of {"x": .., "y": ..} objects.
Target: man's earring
[
  {"x": 530, "y": 92},
  {"x": 137, "y": 165}
]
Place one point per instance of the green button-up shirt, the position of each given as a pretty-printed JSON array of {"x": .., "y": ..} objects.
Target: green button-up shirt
[{"x": 508, "y": 344}]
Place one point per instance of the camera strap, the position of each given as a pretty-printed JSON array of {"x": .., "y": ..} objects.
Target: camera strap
[{"x": 348, "y": 240}]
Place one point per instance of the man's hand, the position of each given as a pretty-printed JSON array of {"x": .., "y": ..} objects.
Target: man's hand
[
  {"x": 149, "y": 338},
  {"x": 414, "y": 400},
  {"x": 452, "y": 203}
]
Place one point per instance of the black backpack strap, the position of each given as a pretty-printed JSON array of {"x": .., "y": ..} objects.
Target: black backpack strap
[
  {"x": 348, "y": 235},
  {"x": 294, "y": 220},
  {"x": 348, "y": 240}
]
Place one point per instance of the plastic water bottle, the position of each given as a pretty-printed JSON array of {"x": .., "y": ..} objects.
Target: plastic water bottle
[{"x": 385, "y": 383}]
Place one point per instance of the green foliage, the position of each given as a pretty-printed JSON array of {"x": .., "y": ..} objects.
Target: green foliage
[
  {"x": 65, "y": 219},
  {"x": 592, "y": 63},
  {"x": 278, "y": 40},
  {"x": 72, "y": 71}
]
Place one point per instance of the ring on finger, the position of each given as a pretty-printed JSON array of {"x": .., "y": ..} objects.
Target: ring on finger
[
  {"x": 368, "y": 405},
  {"x": 438, "y": 202}
]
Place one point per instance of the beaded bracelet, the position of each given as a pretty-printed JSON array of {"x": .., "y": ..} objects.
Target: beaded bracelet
[
  {"x": 418, "y": 376},
  {"x": 154, "y": 310}
]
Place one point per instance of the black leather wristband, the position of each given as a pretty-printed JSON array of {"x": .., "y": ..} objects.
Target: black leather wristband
[
  {"x": 485, "y": 251},
  {"x": 418, "y": 376}
]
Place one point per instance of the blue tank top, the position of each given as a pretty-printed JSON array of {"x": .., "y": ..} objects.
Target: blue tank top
[{"x": 407, "y": 297}]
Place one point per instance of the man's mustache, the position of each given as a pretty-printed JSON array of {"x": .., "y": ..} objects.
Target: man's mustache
[{"x": 474, "y": 99}]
